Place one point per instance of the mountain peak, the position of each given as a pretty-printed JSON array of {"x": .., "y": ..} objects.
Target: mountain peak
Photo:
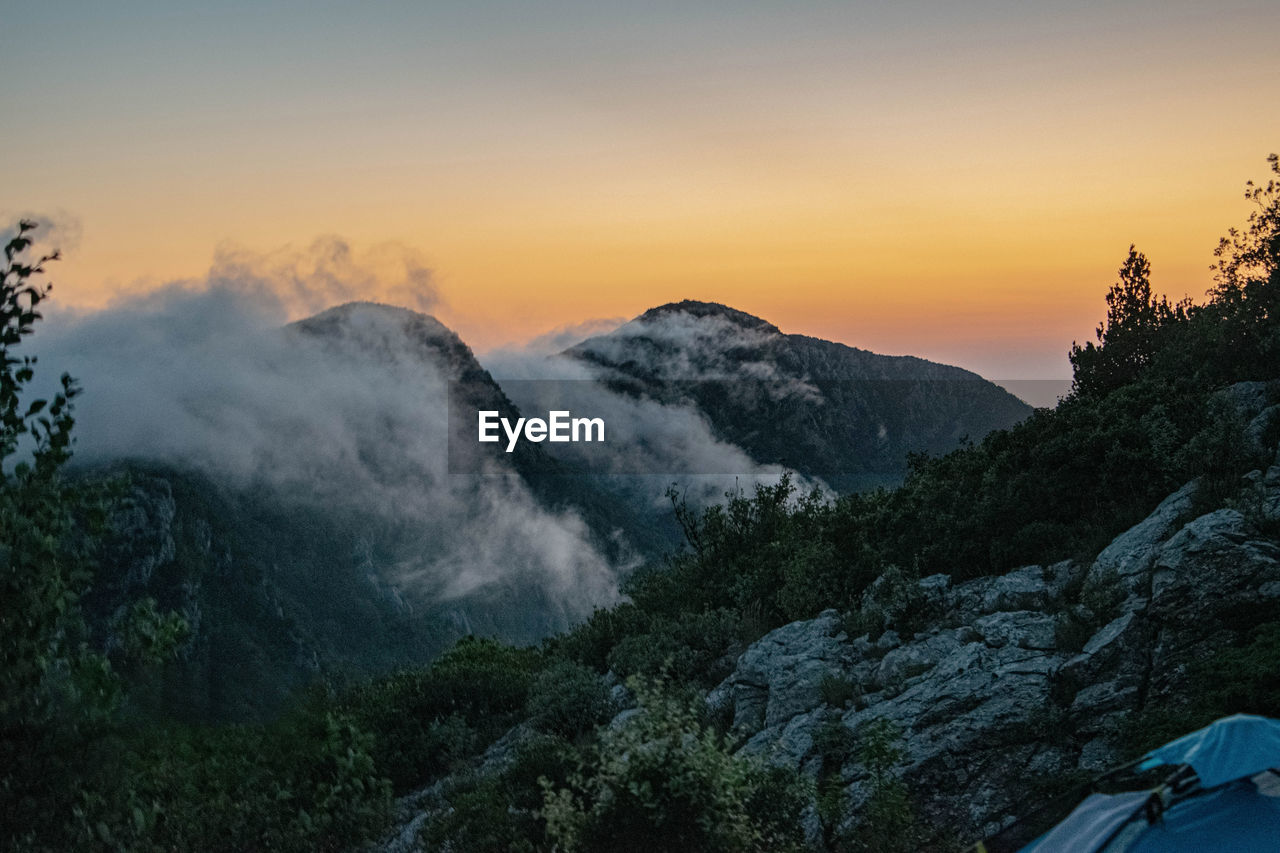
[
  {"x": 371, "y": 311},
  {"x": 389, "y": 331},
  {"x": 366, "y": 320},
  {"x": 700, "y": 310}
]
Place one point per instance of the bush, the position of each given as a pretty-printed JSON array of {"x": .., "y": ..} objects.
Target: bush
[
  {"x": 664, "y": 782},
  {"x": 591, "y": 642},
  {"x": 1235, "y": 680},
  {"x": 307, "y": 782},
  {"x": 690, "y": 647},
  {"x": 503, "y": 812},
  {"x": 568, "y": 699},
  {"x": 428, "y": 720},
  {"x": 838, "y": 691},
  {"x": 886, "y": 821}
]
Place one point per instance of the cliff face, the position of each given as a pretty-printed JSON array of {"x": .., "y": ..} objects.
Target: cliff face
[{"x": 273, "y": 596}]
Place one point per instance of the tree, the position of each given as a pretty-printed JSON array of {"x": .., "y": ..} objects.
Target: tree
[
  {"x": 51, "y": 685},
  {"x": 1252, "y": 255},
  {"x": 43, "y": 573},
  {"x": 57, "y": 693},
  {"x": 1127, "y": 338},
  {"x": 1244, "y": 304}
]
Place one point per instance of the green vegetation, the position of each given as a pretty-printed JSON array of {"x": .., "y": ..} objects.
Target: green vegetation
[
  {"x": 886, "y": 822},
  {"x": 76, "y": 773},
  {"x": 1238, "y": 679},
  {"x": 665, "y": 781},
  {"x": 1146, "y": 415}
]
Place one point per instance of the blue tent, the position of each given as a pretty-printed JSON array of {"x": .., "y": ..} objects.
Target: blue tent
[
  {"x": 1231, "y": 748},
  {"x": 1225, "y": 797}
]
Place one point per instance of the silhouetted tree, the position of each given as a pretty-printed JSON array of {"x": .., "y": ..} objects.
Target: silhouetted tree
[{"x": 1127, "y": 338}]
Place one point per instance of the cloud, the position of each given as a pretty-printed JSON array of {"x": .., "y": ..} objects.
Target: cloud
[
  {"x": 203, "y": 375},
  {"x": 290, "y": 283},
  {"x": 561, "y": 338},
  {"x": 328, "y": 272},
  {"x": 679, "y": 345},
  {"x": 651, "y": 443}
]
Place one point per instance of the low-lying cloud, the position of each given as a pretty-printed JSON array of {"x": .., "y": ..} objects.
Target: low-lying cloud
[
  {"x": 206, "y": 375},
  {"x": 651, "y": 443}
]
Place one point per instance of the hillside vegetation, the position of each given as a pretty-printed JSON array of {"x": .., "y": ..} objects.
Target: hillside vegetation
[{"x": 1152, "y": 408}]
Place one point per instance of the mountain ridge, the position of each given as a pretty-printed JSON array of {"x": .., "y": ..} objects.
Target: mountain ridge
[{"x": 845, "y": 415}]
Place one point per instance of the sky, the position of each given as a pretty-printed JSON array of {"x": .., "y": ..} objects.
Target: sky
[{"x": 955, "y": 181}]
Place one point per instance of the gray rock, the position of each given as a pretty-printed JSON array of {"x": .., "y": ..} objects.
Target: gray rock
[
  {"x": 1097, "y": 756},
  {"x": 623, "y": 717},
  {"x": 913, "y": 660},
  {"x": 1111, "y": 633},
  {"x": 1131, "y": 554},
  {"x": 1270, "y": 504},
  {"x": 1217, "y": 568},
  {"x": 1025, "y": 588},
  {"x": 935, "y": 592},
  {"x": 1117, "y": 656},
  {"x": 789, "y": 744},
  {"x": 1021, "y": 589},
  {"x": 1023, "y": 628},
  {"x": 1104, "y": 696},
  {"x": 780, "y": 675},
  {"x": 888, "y": 640},
  {"x": 1247, "y": 398}
]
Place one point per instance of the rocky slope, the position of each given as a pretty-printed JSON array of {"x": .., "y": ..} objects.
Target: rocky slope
[
  {"x": 990, "y": 693},
  {"x": 1002, "y": 689}
]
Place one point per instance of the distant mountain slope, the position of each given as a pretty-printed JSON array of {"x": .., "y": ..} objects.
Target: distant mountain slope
[
  {"x": 354, "y": 551},
  {"x": 825, "y": 409},
  {"x": 368, "y": 329}
]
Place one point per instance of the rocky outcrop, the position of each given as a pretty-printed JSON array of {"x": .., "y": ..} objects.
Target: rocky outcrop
[
  {"x": 1130, "y": 555},
  {"x": 993, "y": 691},
  {"x": 965, "y": 698},
  {"x": 781, "y": 674}
]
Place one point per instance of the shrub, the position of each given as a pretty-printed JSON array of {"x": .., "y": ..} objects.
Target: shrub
[
  {"x": 503, "y": 812},
  {"x": 665, "y": 782},
  {"x": 838, "y": 691},
  {"x": 591, "y": 642},
  {"x": 690, "y": 647},
  {"x": 886, "y": 821},
  {"x": 568, "y": 699},
  {"x": 306, "y": 782},
  {"x": 427, "y": 720}
]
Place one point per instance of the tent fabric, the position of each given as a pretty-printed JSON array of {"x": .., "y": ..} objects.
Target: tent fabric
[
  {"x": 1231, "y": 748},
  {"x": 1088, "y": 827},
  {"x": 1232, "y": 819},
  {"x": 1227, "y": 811}
]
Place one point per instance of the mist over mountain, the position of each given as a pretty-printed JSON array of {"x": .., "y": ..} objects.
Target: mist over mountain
[
  {"x": 824, "y": 409},
  {"x": 295, "y": 489},
  {"x": 289, "y": 493}
]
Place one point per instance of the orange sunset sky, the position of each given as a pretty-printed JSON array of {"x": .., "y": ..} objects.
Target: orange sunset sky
[{"x": 956, "y": 181}]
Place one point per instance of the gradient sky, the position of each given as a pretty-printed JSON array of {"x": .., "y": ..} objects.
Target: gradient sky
[{"x": 954, "y": 180}]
